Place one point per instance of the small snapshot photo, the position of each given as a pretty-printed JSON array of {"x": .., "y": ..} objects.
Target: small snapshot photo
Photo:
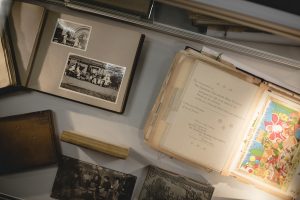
[
  {"x": 80, "y": 180},
  {"x": 93, "y": 78},
  {"x": 71, "y": 34}
]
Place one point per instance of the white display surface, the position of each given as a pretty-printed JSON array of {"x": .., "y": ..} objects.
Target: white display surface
[{"x": 127, "y": 128}]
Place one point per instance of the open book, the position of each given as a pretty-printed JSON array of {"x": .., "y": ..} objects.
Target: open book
[
  {"x": 71, "y": 55},
  {"x": 212, "y": 114}
]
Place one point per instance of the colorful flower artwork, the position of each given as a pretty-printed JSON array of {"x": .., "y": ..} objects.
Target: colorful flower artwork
[{"x": 272, "y": 154}]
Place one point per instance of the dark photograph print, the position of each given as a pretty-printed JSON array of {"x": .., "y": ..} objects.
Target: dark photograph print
[
  {"x": 93, "y": 78},
  {"x": 79, "y": 180},
  {"x": 8, "y": 197},
  {"x": 71, "y": 34},
  {"x": 164, "y": 185}
]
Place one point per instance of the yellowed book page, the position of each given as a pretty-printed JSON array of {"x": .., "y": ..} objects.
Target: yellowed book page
[
  {"x": 211, "y": 114},
  {"x": 4, "y": 75}
]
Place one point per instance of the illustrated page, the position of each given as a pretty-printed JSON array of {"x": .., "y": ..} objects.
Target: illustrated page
[
  {"x": 212, "y": 112},
  {"x": 273, "y": 153}
]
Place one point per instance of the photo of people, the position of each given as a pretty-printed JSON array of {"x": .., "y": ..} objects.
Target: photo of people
[
  {"x": 79, "y": 180},
  {"x": 92, "y": 77},
  {"x": 161, "y": 184},
  {"x": 71, "y": 34}
]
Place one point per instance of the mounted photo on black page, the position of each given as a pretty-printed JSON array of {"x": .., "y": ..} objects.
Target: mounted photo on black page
[{"x": 80, "y": 180}]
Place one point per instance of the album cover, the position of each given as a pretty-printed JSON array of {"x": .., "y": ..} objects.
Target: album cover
[{"x": 27, "y": 141}]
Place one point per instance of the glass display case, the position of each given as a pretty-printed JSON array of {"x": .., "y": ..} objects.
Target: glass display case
[{"x": 257, "y": 39}]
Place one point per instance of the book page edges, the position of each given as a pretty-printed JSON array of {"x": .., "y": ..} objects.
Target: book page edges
[
  {"x": 156, "y": 109},
  {"x": 263, "y": 187},
  {"x": 6, "y": 77},
  {"x": 283, "y": 92},
  {"x": 227, "y": 167},
  {"x": 163, "y": 105}
]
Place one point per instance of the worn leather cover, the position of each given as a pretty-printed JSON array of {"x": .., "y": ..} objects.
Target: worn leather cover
[{"x": 27, "y": 141}]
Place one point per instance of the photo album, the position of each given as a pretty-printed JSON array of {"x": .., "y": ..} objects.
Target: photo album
[
  {"x": 229, "y": 121},
  {"x": 84, "y": 59}
]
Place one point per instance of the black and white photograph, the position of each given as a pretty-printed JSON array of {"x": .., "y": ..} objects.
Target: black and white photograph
[
  {"x": 80, "y": 180},
  {"x": 93, "y": 78},
  {"x": 71, "y": 34},
  {"x": 161, "y": 184},
  {"x": 8, "y": 197}
]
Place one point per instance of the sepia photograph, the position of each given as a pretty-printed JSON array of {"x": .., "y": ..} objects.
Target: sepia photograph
[
  {"x": 71, "y": 34},
  {"x": 161, "y": 185},
  {"x": 93, "y": 78},
  {"x": 80, "y": 180}
]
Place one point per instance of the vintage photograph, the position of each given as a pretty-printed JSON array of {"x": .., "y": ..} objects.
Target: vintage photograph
[
  {"x": 80, "y": 180},
  {"x": 161, "y": 185},
  {"x": 71, "y": 34},
  {"x": 93, "y": 78},
  {"x": 8, "y": 197}
]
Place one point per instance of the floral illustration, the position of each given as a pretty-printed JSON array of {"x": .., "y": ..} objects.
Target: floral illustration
[{"x": 272, "y": 155}]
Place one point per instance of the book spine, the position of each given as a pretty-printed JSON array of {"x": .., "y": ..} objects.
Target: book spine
[
  {"x": 157, "y": 105},
  {"x": 93, "y": 144}
]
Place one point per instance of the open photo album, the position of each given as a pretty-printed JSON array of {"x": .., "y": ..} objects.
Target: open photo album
[
  {"x": 211, "y": 114},
  {"x": 78, "y": 57}
]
